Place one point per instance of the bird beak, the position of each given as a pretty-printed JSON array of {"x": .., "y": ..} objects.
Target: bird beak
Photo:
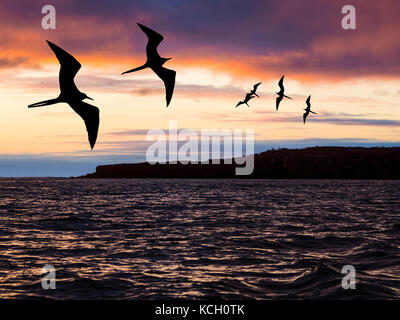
[{"x": 90, "y": 98}]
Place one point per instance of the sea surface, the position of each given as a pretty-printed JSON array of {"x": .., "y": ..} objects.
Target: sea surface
[{"x": 199, "y": 239}]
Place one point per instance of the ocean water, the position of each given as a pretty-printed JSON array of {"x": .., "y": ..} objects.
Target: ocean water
[{"x": 192, "y": 239}]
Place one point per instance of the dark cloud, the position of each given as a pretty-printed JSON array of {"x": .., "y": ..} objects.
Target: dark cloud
[
  {"x": 137, "y": 132},
  {"x": 358, "y": 121},
  {"x": 148, "y": 91},
  {"x": 330, "y": 118},
  {"x": 300, "y": 37},
  {"x": 6, "y": 62}
]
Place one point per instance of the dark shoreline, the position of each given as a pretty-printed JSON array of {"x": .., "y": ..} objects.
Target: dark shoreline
[{"x": 309, "y": 163}]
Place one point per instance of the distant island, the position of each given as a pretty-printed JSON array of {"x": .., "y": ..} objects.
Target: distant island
[{"x": 308, "y": 163}]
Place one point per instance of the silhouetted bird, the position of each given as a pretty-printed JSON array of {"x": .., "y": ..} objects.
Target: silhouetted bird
[
  {"x": 71, "y": 95},
  {"x": 248, "y": 97},
  {"x": 281, "y": 93},
  {"x": 253, "y": 92},
  {"x": 155, "y": 62},
  {"x": 308, "y": 110}
]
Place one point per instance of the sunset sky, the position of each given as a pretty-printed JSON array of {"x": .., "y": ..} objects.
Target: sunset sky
[{"x": 219, "y": 49}]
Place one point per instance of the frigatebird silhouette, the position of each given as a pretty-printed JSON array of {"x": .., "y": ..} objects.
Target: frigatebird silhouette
[
  {"x": 155, "y": 62},
  {"x": 253, "y": 92},
  {"x": 248, "y": 97},
  {"x": 281, "y": 94},
  {"x": 308, "y": 109},
  {"x": 71, "y": 95}
]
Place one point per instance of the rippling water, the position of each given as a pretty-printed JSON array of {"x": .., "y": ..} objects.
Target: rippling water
[{"x": 150, "y": 239}]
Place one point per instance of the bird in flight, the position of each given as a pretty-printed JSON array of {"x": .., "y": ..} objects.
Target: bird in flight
[
  {"x": 253, "y": 92},
  {"x": 70, "y": 94},
  {"x": 281, "y": 94},
  {"x": 155, "y": 62},
  {"x": 248, "y": 97},
  {"x": 308, "y": 109}
]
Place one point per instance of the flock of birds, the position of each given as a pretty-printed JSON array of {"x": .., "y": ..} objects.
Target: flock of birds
[
  {"x": 281, "y": 94},
  {"x": 90, "y": 114}
]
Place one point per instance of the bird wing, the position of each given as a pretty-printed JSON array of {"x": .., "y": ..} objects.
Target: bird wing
[
  {"x": 154, "y": 40},
  {"x": 168, "y": 76},
  {"x": 278, "y": 101},
  {"x": 239, "y": 103},
  {"x": 280, "y": 83},
  {"x": 308, "y": 102},
  {"x": 91, "y": 115},
  {"x": 305, "y": 116},
  {"x": 256, "y": 86},
  {"x": 69, "y": 65}
]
